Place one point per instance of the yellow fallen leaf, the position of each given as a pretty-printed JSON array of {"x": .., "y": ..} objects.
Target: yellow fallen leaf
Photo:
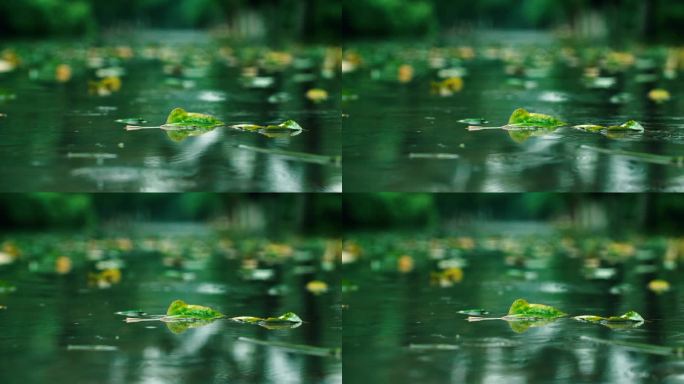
[
  {"x": 63, "y": 265},
  {"x": 317, "y": 287},
  {"x": 405, "y": 264},
  {"x": 63, "y": 73},
  {"x": 659, "y": 286},
  {"x": 405, "y": 74},
  {"x": 659, "y": 95},
  {"x": 317, "y": 95}
]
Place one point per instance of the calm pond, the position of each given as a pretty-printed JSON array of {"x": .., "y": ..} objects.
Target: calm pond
[
  {"x": 59, "y": 321},
  {"x": 59, "y": 102},
  {"x": 402, "y": 129},
  {"x": 404, "y": 292}
]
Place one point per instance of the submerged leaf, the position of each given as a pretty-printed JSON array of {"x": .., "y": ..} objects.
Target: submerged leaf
[
  {"x": 521, "y": 309},
  {"x": 181, "y": 310},
  {"x": 285, "y": 321},
  {"x": 522, "y": 118}
]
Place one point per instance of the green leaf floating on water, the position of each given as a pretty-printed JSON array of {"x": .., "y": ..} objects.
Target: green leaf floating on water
[
  {"x": 181, "y": 119},
  {"x": 287, "y": 128},
  {"x": 181, "y": 124},
  {"x": 522, "y": 118},
  {"x": 285, "y": 321},
  {"x": 630, "y": 319},
  {"x": 183, "y": 311},
  {"x": 521, "y": 309},
  {"x": 630, "y": 125}
]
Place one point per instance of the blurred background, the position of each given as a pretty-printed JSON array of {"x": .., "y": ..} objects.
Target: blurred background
[
  {"x": 281, "y": 213},
  {"x": 299, "y": 19},
  {"x": 446, "y": 213},
  {"x": 613, "y": 19},
  {"x": 73, "y": 266}
]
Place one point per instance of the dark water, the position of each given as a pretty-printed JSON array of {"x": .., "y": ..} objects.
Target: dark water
[
  {"x": 389, "y": 121},
  {"x": 392, "y": 316},
  {"x": 49, "y": 127},
  {"x": 52, "y": 322}
]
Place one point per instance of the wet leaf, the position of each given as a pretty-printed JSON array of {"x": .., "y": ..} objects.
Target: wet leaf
[
  {"x": 474, "y": 312},
  {"x": 522, "y": 118},
  {"x": 286, "y": 128},
  {"x": 181, "y": 119},
  {"x": 474, "y": 121},
  {"x": 521, "y": 309},
  {"x": 285, "y": 321},
  {"x": 630, "y": 125},
  {"x": 630, "y": 319},
  {"x": 131, "y": 121},
  {"x": 179, "y": 310},
  {"x": 295, "y": 348}
]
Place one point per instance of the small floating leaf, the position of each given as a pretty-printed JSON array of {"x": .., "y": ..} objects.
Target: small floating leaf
[
  {"x": 522, "y": 118},
  {"x": 287, "y": 128},
  {"x": 521, "y": 309},
  {"x": 474, "y": 312},
  {"x": 630, "y": 319},
  {"x": 629, "y": 125},
  {"x": 474, "y": 121},
  {"x": 295, "y": 348},
  {"x": 285, "y": 321},
  {"x": 590, "y": 127},
  {"x": 181, "y": 310}
]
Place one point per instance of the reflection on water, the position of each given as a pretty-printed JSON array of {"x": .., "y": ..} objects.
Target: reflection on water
[
  {"x": 46, "y": 121},
  {"x": 392, "y": 113},
  {"x": 60, "y": 323},
  {"x": 402, "y": 328}
]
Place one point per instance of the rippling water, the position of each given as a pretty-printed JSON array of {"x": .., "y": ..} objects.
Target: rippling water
[
  {"x": 48, "y": 129},
  {"x": 59, "y": 328},
  {"x": 401, "y": 329},
  {"x": 388, "y": 121}
]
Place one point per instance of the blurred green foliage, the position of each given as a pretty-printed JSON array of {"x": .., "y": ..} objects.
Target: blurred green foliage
[
  {"x": 655, "y": 213},
  {"x": 306, "y": 213},
  {"x": 294, "y": 18},
  {"x": 649, "y": 19}
]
